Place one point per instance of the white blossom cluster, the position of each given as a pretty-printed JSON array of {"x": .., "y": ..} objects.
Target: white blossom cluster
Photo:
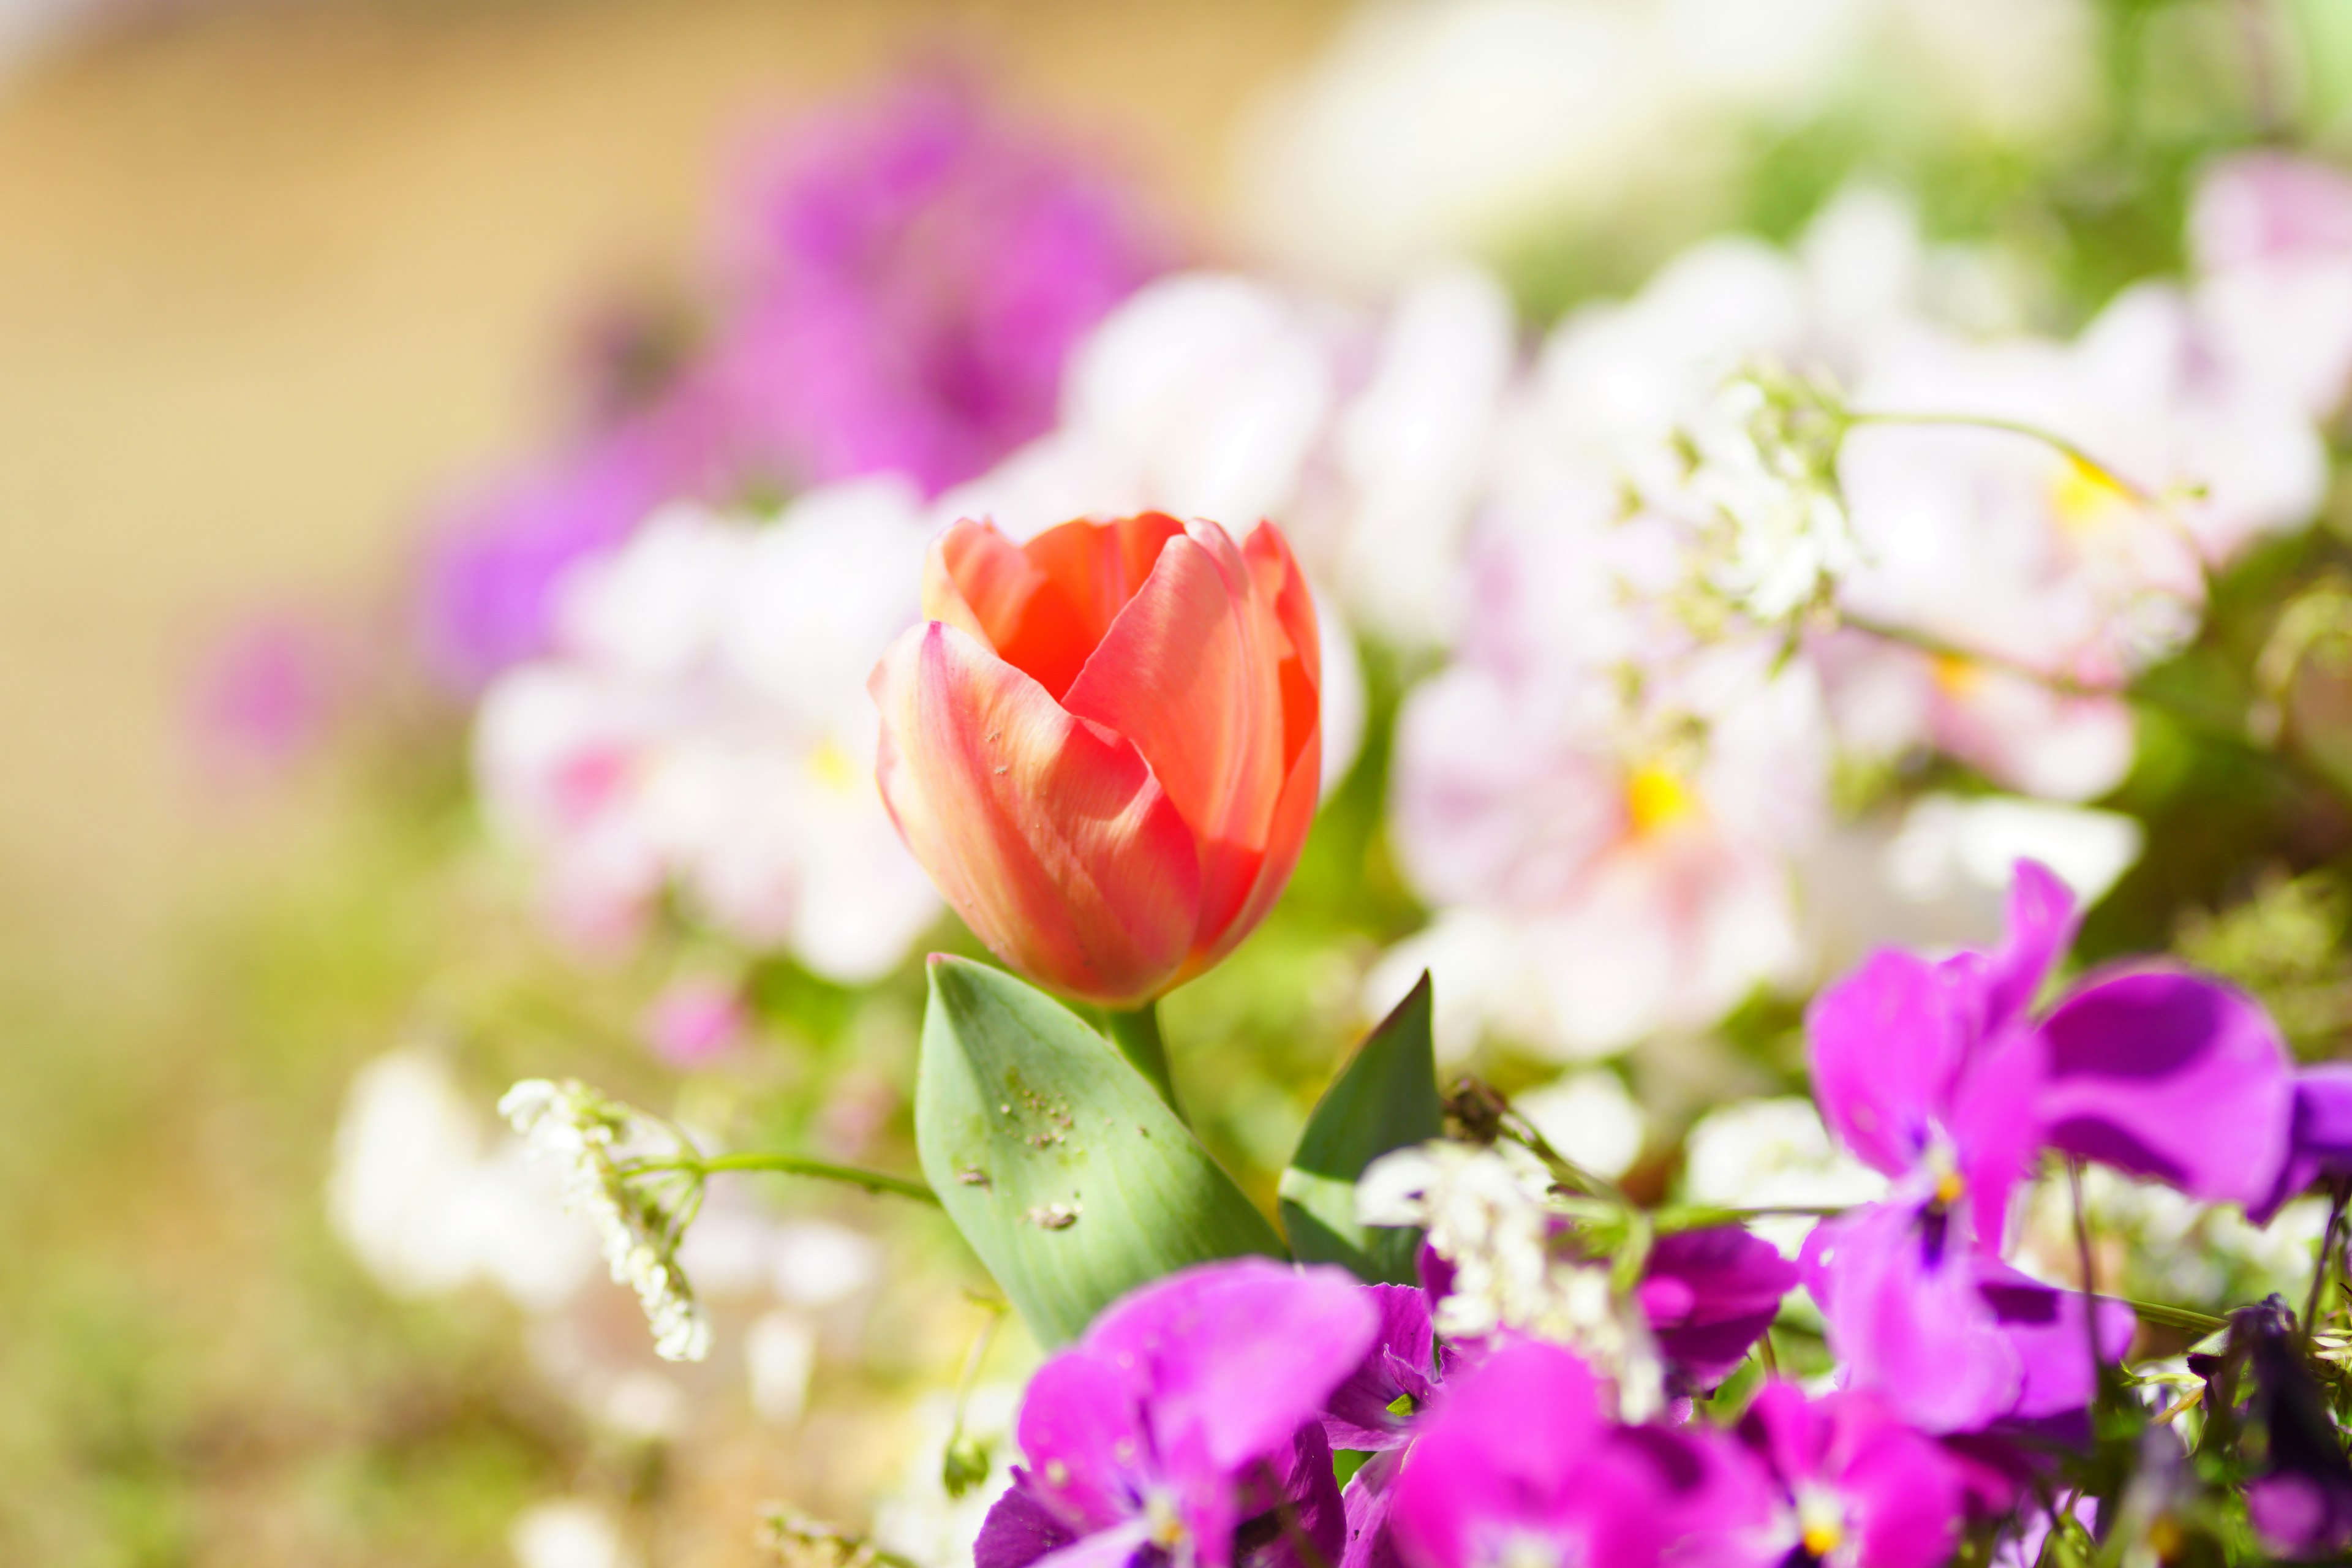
[
  {"x": 1489, "y": 1212},
  {"x": 572, "y": 1124}
]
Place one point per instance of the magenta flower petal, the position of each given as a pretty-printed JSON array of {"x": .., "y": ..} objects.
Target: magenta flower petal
[
  {"x": 1190, "y": 1407},
  {"x": 1082, "y": 1430},
  {"x": 2041, "y": 921},
  {"x": 2043, "y": 1326},
  {"x": 1238, "y": 1355},
  {"x": 2319, "y": 1141},
  {"x": 1369, "y": 1496},
  {"x": 1710, "y": 1295},
  {"x": 1886, "y": 1042},
  {"x": 1905, "y": 1316},
  {"x": 1896, "y": 1494},
  {"x": 1517, "y": 1455},
  {"x": 1019, "y": 1530},
  {"x": 1400, "y": 1364},
  {"x": 2166, "y": 1074},
  {"x": 1995, "y": 1129}
]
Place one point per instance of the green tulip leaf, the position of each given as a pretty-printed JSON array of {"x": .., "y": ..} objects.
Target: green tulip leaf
[
  {"x": 1061, "y": 1165},
  {"x": 1384, "y": 1099}
]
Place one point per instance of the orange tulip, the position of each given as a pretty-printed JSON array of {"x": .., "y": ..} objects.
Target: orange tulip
[{"x": 1104, "y": 744}]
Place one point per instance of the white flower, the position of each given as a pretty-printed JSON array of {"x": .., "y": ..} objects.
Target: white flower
[
  {"x": 1773, "y": 481},
  {"x": 569, "y": 1532},
  {"x": 415, "y": 1197},
  {"x": 579, "y": 1130},
  {"x": 705, "y": 726},
  {"x": 1488, "y": 1212},
  {"x": 1589, "y": 1117},
  {"x": 919, "y": 1519},
  {"x": 1773, "y": 1154}
]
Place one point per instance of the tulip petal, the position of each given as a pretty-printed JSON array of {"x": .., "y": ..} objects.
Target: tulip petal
[
  {"x": 1049, "y": 835},
  {"x": 1192, "y": 672},
  {"x": 1043, "y": 605}
]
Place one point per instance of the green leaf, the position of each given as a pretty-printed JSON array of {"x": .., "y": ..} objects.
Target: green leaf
[
  {"x": 1386, "y": 1098},
  {"x": 1060, "y": 1164}
]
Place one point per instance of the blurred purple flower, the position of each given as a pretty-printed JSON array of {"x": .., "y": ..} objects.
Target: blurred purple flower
[
  {"x": 904, "y": 279},
  {"x": 1857, "y": 1486},
  {"x": 1939, "y": 1075},
  {"x": 2320, "y": 1143},
  {"x": 910, "y": 276},
  {"x": 1187, "y": 1412},
  {"x": 1949, "y": 1338},
  {"x": 1710, "y": 1295},
  {"x": 1518, "y": 1464},
  {"x": 487, "y": 598},
  {"x": 1402, "y": 1363}
]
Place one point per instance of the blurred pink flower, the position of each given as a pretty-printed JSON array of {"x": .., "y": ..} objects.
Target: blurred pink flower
[
  {"x": 697, "y": 1019},
  {"x": 266, "y": 695},
  {"x": 2271, "y": 237}
]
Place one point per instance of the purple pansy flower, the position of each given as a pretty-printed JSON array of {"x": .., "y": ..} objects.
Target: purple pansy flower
[
  {"x": 1403, "y": 1363},
  {"x": 1939, "y": 1075},
  {"x": 1951, "y": 1338},
  {"x": 1858, "y": 1489},
  {"x": 1710, "y": 1295},
  {"x": 2319, "y": 1137},
  {"x": 1187, "y": 1412},
  {"x": 1518, "y": 1464}
]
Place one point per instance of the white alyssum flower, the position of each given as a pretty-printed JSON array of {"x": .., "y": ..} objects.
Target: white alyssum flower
[
  {"x": 1767, "y": 451},
  {"x": 1489, "y": 1212},
  {"x": 579, "y": 1129}
]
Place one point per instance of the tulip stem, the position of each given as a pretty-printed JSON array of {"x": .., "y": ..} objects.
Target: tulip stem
[{"x": 1136, "y": 1033}]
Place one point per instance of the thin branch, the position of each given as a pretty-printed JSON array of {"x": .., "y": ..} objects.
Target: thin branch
[{"x": 792, "y": 1165}]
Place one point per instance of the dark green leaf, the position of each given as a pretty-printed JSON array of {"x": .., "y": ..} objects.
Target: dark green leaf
[
  {"x": 1060, "y": 1164},
  {"x": 1386, "y": 1098}
]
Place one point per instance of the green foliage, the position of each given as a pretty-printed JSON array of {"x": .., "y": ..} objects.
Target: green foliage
[
  {"x": 1065, "y": 1170},
  {"x": 1384, "y": 1099}
]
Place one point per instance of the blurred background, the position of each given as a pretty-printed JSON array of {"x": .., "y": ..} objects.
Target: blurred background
[
  {"x": 286, "y": 289},
  {"x": 277, "y": 277}
]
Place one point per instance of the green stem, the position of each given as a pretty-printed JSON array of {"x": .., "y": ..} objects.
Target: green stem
[
  {"x": 794, "y": 1165},
  {"x": 2050, "y": 438},
  {"x": 1708, "y": 1217},
  {"x": 1136, "y": 1033},
  {"x": 2337, "y": 1196},
  {"x": 2157, "y": 1312}
]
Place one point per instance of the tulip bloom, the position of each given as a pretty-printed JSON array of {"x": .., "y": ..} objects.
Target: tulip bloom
[{"x": 1105, "y": 744}]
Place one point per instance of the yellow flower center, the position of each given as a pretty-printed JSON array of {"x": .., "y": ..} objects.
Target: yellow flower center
[
  {"x": 1950, "y": 1188},
  {"x": 830, "y": 766},
  {"x": 2084, "y": 494},
  {"x": 1161, "y": 1523},
  {"x": 1821, "y": 1522},
  {"x": 1956, "y": 676},
  {"x": 1656, "y": 798}
]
